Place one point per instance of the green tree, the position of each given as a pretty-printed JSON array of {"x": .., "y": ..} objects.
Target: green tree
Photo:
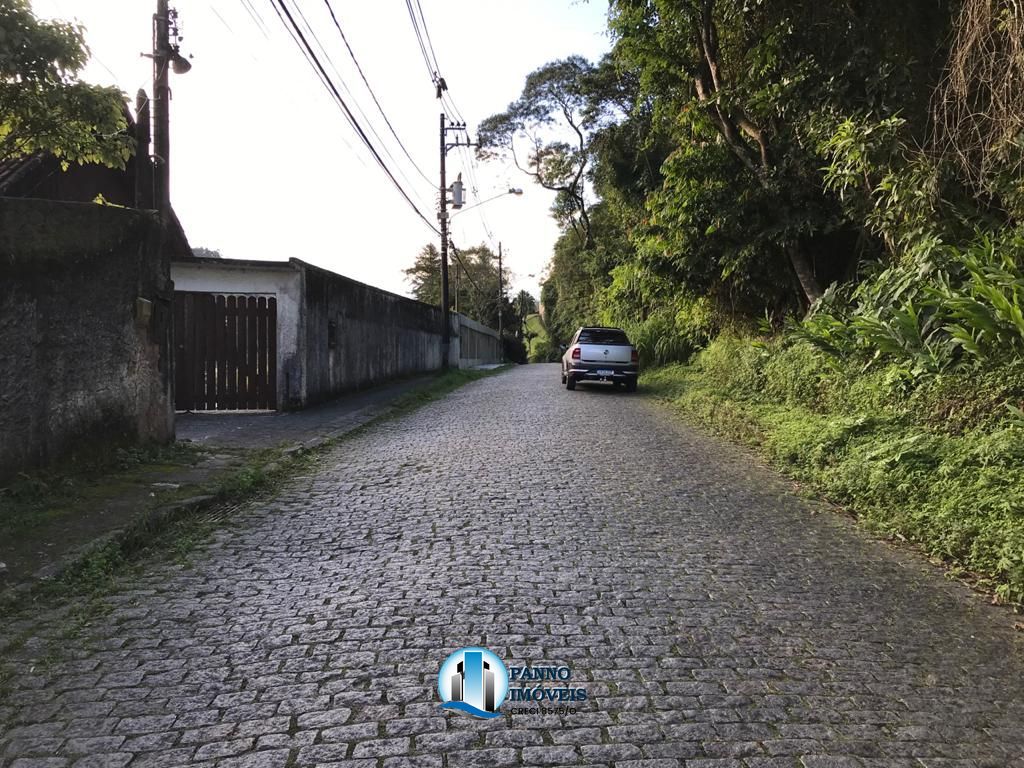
[
  {"x": 424, "y": 276},
  {"x": 555, "y": 116},
  {"x": 522, "y": 305},
  {"x": 472, "y": 281},
  {"x": 44, "y": 107},
  {"x": 765, "y": 81}
]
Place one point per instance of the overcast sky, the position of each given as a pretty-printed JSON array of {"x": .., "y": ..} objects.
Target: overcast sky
[{"x": 264, "y": 165}]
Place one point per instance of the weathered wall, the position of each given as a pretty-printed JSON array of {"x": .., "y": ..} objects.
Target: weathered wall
[
  {"x": 281, "y": 279},
  {"x": 335, "y": 334},
  {"x": 356, "y": 335},
  {"x": 477, "y": 344},
  {"x": 85, "y": 327}
]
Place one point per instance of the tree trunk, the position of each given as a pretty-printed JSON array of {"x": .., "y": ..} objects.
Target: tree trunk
[{"x": 805, "y": 274}]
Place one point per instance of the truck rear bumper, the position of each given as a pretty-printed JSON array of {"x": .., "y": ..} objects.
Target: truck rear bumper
[{"x": 599, "y": 372}]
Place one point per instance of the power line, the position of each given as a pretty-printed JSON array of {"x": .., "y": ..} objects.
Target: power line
[
  {"x": 373, "y": 95},
  {"x": 229, "y": 29},
  {"x": 426, "y": 31},
  {"x": 456, "y": 253},
  {"x": 311, "y": 56},
  {"x": 431, "y": 70},
  {"x": 358, "y": 107},
  {"x": 256, "y": 18}
]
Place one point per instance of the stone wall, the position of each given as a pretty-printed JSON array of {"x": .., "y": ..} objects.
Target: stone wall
[{"x": 85, "y": 331}]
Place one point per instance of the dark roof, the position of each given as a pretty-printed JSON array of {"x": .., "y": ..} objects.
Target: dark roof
[{"x": 14, "y": 169}]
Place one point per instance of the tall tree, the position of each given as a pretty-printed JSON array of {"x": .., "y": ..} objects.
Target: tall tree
[
  {"x": 555, "y": 116},
  {"x": 44, "y": 107},
  {"x": 472, "y": 281},
  {"x": 761, "y": 78}
]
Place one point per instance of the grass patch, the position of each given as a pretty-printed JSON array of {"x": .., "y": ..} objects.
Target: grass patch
[
  {"x": 538, "y": 343},
  {"x": 873, "y": 444},
  {"x": 31, "y": 500}
]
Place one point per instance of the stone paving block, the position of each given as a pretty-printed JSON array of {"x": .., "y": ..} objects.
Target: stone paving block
[
  {"x": 165, "y": 759},
  {"x": 484, "y": 758},
  {"x": 271, "y": 758},
  {"x": 382, "y": 748},
  {"x": 414, "y": 761},
  {"x": 713, "y": 619},
  {"x": 553, "y": 755},
  {"x": 106, "y": 760}
]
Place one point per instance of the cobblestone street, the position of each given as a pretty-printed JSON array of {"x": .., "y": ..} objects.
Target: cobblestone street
[{"x": 715, "y": 619}]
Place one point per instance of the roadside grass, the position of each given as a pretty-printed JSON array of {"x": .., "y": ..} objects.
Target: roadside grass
[
  {"x": 78, "y": 595},
  {"x": 536, "y": 336},
  {"x": 904, "y": 460}
]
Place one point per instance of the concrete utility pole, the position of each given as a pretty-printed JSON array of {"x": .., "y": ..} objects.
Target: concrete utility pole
[
  {"x": 443, "y": 220},
  {"x": 161, "y": 115},
  {"x": 499, "y": 295},
  {"x": 446, "y": 329}
]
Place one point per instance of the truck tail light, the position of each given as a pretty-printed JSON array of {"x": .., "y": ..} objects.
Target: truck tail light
[
  {"x": 576, "y": 353},
  {"x": 634, "y": 357}
]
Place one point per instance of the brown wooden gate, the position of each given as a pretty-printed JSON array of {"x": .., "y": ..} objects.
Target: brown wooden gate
[{"x": 225, "y": 352}]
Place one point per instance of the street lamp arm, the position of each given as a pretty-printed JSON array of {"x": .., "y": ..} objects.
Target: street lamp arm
[{"x": 511, "y": 191}]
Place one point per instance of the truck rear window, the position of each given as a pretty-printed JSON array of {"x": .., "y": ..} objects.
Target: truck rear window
[{"x": 602, "y": 336}]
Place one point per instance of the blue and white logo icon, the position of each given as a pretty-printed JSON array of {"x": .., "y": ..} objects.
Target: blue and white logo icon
[{"x": 473, "y": 680}]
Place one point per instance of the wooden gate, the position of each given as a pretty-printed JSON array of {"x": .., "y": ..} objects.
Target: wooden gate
[{"x": 225, "y": 352}]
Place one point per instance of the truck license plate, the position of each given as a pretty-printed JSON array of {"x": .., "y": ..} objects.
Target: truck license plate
[{"x": 605, "y": 373}]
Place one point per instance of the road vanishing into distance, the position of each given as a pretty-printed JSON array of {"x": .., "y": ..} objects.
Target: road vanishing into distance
[{"x": 713, "y": 618}]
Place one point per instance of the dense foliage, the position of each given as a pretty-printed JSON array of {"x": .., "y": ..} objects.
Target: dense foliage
[
  {"x": 938, "y": 465},
  {"x": 734, "y": 160},
  {"x": 44, "y": 107}
]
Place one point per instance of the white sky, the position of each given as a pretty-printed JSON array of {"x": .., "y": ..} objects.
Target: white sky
[{"x": 264, "y": 165}]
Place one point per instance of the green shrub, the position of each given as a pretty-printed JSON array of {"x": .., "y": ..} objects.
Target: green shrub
[{"x": 937, "y": 461}]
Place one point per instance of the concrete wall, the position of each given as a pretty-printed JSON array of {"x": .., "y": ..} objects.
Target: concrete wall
[
  {"x": 336, "y": 335},
  {"x": 272, "y": 278},
  {"x": 477, "y": 344},
  {"x": 357, "y": 335},
  {"x": 85, "y": 331}
]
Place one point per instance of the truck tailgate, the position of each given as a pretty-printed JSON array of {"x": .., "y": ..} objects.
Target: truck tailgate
[{"x": 617, "y": 354}]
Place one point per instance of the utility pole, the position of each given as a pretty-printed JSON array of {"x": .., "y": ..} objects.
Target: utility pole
[
  {"x": 443, "y": 220},
  {"x": 161, "y": 118},
  {"x": 500, "y": 295},
  {"x": 166, "y": 56}
]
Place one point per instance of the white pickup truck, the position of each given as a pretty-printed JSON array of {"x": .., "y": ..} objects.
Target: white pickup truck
[{"x": 600, "y": 354}]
